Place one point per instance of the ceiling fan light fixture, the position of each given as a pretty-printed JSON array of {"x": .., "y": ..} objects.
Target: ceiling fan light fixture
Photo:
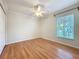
[
  {"x": 38, "y": 10},
  {"x": 39, "y": 14}
]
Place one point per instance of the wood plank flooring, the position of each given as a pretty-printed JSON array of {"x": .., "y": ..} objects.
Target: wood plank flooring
[{"x": 39, "y": 49}]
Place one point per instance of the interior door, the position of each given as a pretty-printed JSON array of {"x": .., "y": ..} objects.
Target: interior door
[{"x": 2, "y": 30}]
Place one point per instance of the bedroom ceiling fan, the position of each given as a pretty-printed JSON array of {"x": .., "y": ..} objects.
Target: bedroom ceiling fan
[{"x": 38, "y": 10}]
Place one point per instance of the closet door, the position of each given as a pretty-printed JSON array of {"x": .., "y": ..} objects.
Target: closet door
[{"x": 2, "y": 30}]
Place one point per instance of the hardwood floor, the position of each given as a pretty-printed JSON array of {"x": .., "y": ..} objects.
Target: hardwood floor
[{"x": 39, "y": 49}]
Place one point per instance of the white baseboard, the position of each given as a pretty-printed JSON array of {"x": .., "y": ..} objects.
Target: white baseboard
[
  {"x": 61, "y": 42},
  {"x": 7, "y": 43},
  {"x": 2, "y": 50}
]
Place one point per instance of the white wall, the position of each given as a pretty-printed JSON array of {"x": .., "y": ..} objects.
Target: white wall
[
  {"x": 21, "y": 27},
  {"x": 2, "y": 30},
  {"x": 49, "y": 31},
  {"x": 2, "y": 25}
]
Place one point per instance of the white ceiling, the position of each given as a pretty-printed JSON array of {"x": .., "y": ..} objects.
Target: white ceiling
[{"x": 25, "y": 6}]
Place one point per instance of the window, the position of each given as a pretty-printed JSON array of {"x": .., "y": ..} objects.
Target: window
[{"x": 65, "y": 26}]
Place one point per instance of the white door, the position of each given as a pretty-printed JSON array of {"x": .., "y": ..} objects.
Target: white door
[{"x": 2, "y": 30}]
